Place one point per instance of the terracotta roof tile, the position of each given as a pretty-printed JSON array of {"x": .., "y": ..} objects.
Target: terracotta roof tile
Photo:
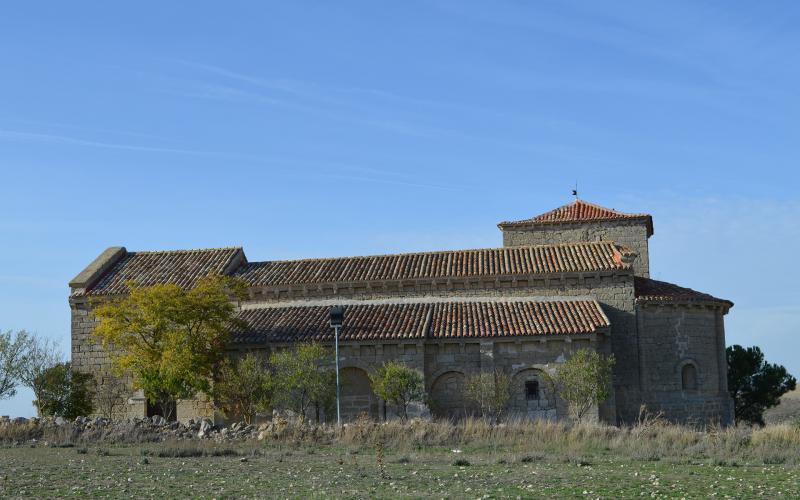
[
  {"x": 578, "y": 211},
  {"x": 185, "y": 267},
  {"x": 649, "y": 290},
  {"x": 431, "y": 320},
  {"x": 181, "y": 267},
  {"x": 545, "y": 259}
]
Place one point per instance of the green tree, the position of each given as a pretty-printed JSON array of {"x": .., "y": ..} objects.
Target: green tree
[
  {"x": 13, "y": 348},
  {"x": 170, "y": 339},
  {"x": 584, "y": 381},
  {"x": 754, "y": 384},
  {"x": 490, "y": 391},
  {"x": 244, "y": 387},
  {"x": 398, "y": 385},
  {"x": 303, "y": 378},
  {"x": 64, "y": 392}
]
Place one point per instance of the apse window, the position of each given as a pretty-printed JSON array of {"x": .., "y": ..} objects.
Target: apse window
[
  {"x": 689, "y": 377},
  {"x": 532, "y": 390}
]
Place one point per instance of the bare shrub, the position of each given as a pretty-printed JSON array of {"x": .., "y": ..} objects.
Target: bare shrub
[
  {"x": 490, "y": 391},
  {"x": 13, "y": 349},
  {"x": 109, "y": 395},
  {"x": 41, "y": 355}
]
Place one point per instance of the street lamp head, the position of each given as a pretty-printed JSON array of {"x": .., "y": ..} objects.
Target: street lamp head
[{"x": 337, "y": 316}]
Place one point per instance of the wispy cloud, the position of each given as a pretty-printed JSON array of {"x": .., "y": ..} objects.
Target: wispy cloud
[
  {"x": 393, "y": 181},
  {"x": 80, "y": 128},
  {"x": 20, "y": 136},
  {"x": 298, "y": 88},
  {"x": 287, "y": 167},
  {"x": 377, "y": 108},
  {"x": 204, "y": 90}
]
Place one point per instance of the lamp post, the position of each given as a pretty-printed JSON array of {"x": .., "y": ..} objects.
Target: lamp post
[{"x": 336, "y": 319}]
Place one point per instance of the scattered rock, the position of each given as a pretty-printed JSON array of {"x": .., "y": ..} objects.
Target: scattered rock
[
  {"x": 153, "y": 429},
  {"x": 206, "y": 426}
]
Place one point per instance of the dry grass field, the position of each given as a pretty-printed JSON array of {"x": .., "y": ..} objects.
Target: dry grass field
[
  {"x": 787, "y": 411},
  {"x": 419, "y": 460},
  {"x": 135, "y": 471}
]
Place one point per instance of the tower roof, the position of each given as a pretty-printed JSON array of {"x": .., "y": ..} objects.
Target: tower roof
[{"x": 578, "y": 211}]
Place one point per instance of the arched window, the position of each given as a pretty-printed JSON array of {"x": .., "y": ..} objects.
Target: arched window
[
  {"x": 689, "y": 377},
  {"x": 532, "y": 390}
]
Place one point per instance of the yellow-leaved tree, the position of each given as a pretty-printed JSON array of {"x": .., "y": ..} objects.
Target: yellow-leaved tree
[{"x": 170, "y": 339}]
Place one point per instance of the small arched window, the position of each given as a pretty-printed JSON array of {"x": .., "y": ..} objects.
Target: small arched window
[
  {"x": 532, "y": 390},
  {"x": 689, "y": 377}
]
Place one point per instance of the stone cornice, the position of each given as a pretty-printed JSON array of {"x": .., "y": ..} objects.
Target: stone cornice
[
  {"x": 601, "y": 332},
  {"x": 393, "y": 287},
  {"x": 722, "y": 305}
]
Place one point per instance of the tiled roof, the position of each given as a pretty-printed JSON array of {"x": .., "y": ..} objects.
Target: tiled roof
[
  {"x": 578, "y": 211},
  {"x": 424, "y": 320},
  {"x": 648, "y": 290},
  {"x": 180, "y": 267},
  {"x": 545, "y": 259}
]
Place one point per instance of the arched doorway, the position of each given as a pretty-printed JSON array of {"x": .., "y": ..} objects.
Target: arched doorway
[
  {"x": 357, "y": 395},
  {"x": 531, "y": 396},
  {"x": 447, "y": 396}
]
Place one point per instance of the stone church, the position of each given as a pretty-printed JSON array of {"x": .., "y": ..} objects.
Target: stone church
[{"x": 571, "y": 278}]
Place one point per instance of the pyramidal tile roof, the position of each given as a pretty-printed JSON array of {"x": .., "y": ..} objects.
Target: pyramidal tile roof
[{"x": 578, "y": 211}]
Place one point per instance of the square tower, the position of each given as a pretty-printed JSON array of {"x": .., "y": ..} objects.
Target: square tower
[{"x": 584, "y": 221}]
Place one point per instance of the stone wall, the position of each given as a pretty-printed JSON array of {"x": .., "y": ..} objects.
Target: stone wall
[
  {"x": 194, "y": 409},
  {"x": 614, "y": 293},
  {"x": 648, "y": 354},
  {"x": 88, "y": 356},
  {"x": 632, "y": 234},
  {"x": 448, "y": 364},
  {"x": 684, "y": 371}
]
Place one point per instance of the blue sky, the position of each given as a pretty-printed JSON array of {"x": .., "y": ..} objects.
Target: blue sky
[{"x": 305, "y": 129}]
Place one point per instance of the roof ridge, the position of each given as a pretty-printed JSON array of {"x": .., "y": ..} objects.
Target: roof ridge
[
  {"x": 464, "y": 250},
  {"x": 595, "y": 205},
  {"x": 185, "y": 250},
  {"x": 385, "y": 301},
  {"x": 578, "y": 211}
]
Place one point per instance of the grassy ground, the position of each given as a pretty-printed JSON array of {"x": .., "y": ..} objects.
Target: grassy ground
[
  {"x": 787, "y": 411},
  {"x": 337, "y": 471}
]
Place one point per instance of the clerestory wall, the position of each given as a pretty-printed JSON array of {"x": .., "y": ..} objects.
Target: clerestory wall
[{"x": 631, "y": 233}]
